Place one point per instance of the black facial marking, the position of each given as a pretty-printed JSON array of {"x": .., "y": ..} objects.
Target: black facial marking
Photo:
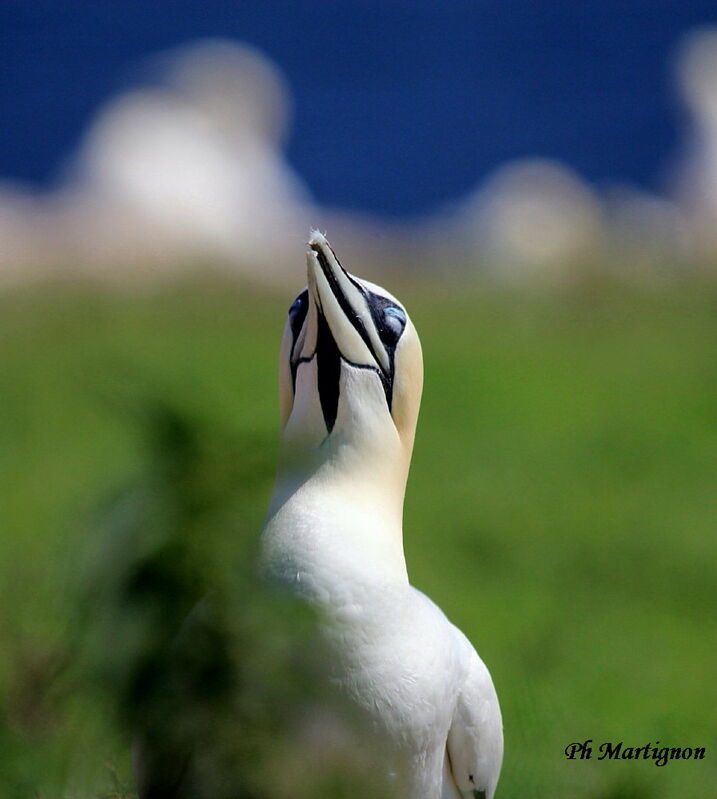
[
  {"x": 390, "y": 321},
  {"x": 328, "y": 362},
  {"x": 297, "y": 312},
  {"x": 389, "y": 318},
  {"x": 297, "y": 316}
]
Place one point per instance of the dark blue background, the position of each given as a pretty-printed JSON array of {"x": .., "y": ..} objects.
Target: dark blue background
[{"x": 400, "y": 105}]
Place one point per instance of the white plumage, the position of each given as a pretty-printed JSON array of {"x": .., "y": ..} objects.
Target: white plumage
[{"x": 350, "y": 384}]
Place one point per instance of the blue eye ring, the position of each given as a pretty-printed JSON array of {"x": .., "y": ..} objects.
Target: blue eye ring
[
  {"x": 397, "y": 313},
  {"x": 392, "y": 325},
  {"x": 296, "y": 305}
]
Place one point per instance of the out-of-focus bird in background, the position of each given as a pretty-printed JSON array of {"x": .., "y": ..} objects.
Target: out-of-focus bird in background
[{"x": 351, "y": 377}]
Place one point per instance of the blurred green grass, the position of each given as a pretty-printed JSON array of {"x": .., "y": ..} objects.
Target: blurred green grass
[{"x": 561, "y": 506}]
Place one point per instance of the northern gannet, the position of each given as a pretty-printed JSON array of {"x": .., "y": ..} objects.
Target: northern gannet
[{"x": 350, "y": 381}]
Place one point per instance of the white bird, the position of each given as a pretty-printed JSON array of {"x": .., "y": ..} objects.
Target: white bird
[{"x": 351, "y": 375}]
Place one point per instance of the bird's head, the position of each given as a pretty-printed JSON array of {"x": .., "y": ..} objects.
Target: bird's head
[{"x": 351, "y": 372}]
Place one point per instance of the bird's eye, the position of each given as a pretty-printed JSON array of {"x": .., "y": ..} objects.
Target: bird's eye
[
  {"x": 394, "y": 321},
  {"x": 298, "y": 304},
  {"x": 297, "y": 312}
]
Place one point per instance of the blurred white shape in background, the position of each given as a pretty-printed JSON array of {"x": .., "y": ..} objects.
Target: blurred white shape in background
[
  {"x": 696, "y": 67},
  {"x": 646, "y": 231},
  {"x": 534, "y": 215},
  {"x": 192, "y": 167}
]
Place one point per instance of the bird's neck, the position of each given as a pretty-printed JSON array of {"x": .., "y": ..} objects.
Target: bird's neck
[{"x": 338, "y": 516}]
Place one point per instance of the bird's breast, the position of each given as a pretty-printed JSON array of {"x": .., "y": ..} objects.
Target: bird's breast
[
  {"x": 391, "y": 651},
  {"x": 395, "y": 655}
]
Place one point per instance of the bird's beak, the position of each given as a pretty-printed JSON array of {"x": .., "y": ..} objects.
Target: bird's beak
[{"x": 341, "y": 302}]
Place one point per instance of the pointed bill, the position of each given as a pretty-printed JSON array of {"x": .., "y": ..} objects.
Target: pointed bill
[{"x": 342, "y": 301}]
